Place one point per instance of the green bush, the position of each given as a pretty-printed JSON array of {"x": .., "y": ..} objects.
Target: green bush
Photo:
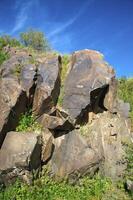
[
  {"x": 8, "y": 40},
  {"x": 35, "y": 39},
  {"x": 3, "y": 57}
]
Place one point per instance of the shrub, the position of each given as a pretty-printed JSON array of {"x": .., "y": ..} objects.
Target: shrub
[
  {"x": 3, "y": 57},
  {"x": 7, "y": 40},
  {"x": 35, "y": 39}
]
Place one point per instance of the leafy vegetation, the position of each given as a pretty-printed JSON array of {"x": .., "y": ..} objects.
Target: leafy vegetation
[
  {"x": 7, "y": 40},
  {"x": 47, "y": 189},
  {"x": 27, "y": 122},
  {"x": 35, "y": 39},
  {"x": 3, "y": 57},
  {"x": 125, "y": 92}
]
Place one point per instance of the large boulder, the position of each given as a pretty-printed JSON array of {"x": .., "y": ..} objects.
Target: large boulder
[
  {"x": 48, "y": 85},
  {"x": 12, "y": 104},
  {"x": 107, "y": 134},
  {"x": 73, "y": 157},
  {"x": 87, "y": 83},
  {"x": 19, "y": 154}
]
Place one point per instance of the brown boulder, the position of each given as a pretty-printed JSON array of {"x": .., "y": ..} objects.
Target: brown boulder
[
  {"x": 87, "y": 83},
  {"x": 73, "y": 157},
  {"x": 19, "y": 154}
]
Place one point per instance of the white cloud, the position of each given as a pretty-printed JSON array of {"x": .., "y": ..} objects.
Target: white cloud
[
  {"x": 23, "y": 8},
  {"x": 62, "y": 27}
]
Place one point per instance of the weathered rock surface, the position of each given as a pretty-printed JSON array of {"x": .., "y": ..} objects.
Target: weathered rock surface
[
  {"x": 12, "y": 67},
  {"x": 87, "y": 81},
  {"x": 19, "y": 154},
  {"x": 106, "y": 135},
  {"x": 55, "y": 123},
  {"x": 12, "y": 103},
  {"x": 73, "y": 157},
  {"x": 28, "y": 80},
  {"x": 48, "y": 85},
  {"x": 47, "y": 145},
  {"x": 110, "y": 99}
]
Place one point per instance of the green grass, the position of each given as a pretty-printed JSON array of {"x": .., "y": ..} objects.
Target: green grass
[
  {"x": 47, "y": 189},
  {"x": 27, "y": 123},
  {"x": 64, "y": 71}
]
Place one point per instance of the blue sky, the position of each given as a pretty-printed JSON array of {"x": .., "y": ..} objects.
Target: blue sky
[{"x": 104, "y": 25}]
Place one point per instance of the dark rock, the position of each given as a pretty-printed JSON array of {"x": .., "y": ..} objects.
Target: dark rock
[
  {"x": 28, "y": 80},
  {"x": 73, "y": 157},
  {"x": 19, "y": 154},
  {"x": 48, "y": 86},
  {"x": 107, "y": 134},
  {"x": 12, "y": 103},
  {"x": 87, "y": 82},
  {"x": 110, "y": 100}
]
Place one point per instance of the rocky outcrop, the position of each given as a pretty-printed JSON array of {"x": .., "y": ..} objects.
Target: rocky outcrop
[
  {"x": 19, "y": 155},
  {"x": 90, "y": 104},
  {"x": 86, "y": 83},
  {"x": 48, "y": 85}
]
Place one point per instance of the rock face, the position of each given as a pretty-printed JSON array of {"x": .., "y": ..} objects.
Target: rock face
[
  {"x": 27, "y": 80},
  {"x": 12, "y": 103},
  {"x": 106, "y": 135},
  {"x": 87, "y": 82},
  {"x": 19, "y": 154},
  {"x": 12, "y": 67},
  {"x": 48, "y": 86},
  {"x": 73, "y": 156},
  {"x": 90, "y": 97}
]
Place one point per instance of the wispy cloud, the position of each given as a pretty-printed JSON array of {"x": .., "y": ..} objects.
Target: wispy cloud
[
  {"x": 22, "y": 8},
  {"x": 68, "y": 23}
]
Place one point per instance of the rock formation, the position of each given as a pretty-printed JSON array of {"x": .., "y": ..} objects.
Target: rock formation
[{"x": 78, "y": 139}]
